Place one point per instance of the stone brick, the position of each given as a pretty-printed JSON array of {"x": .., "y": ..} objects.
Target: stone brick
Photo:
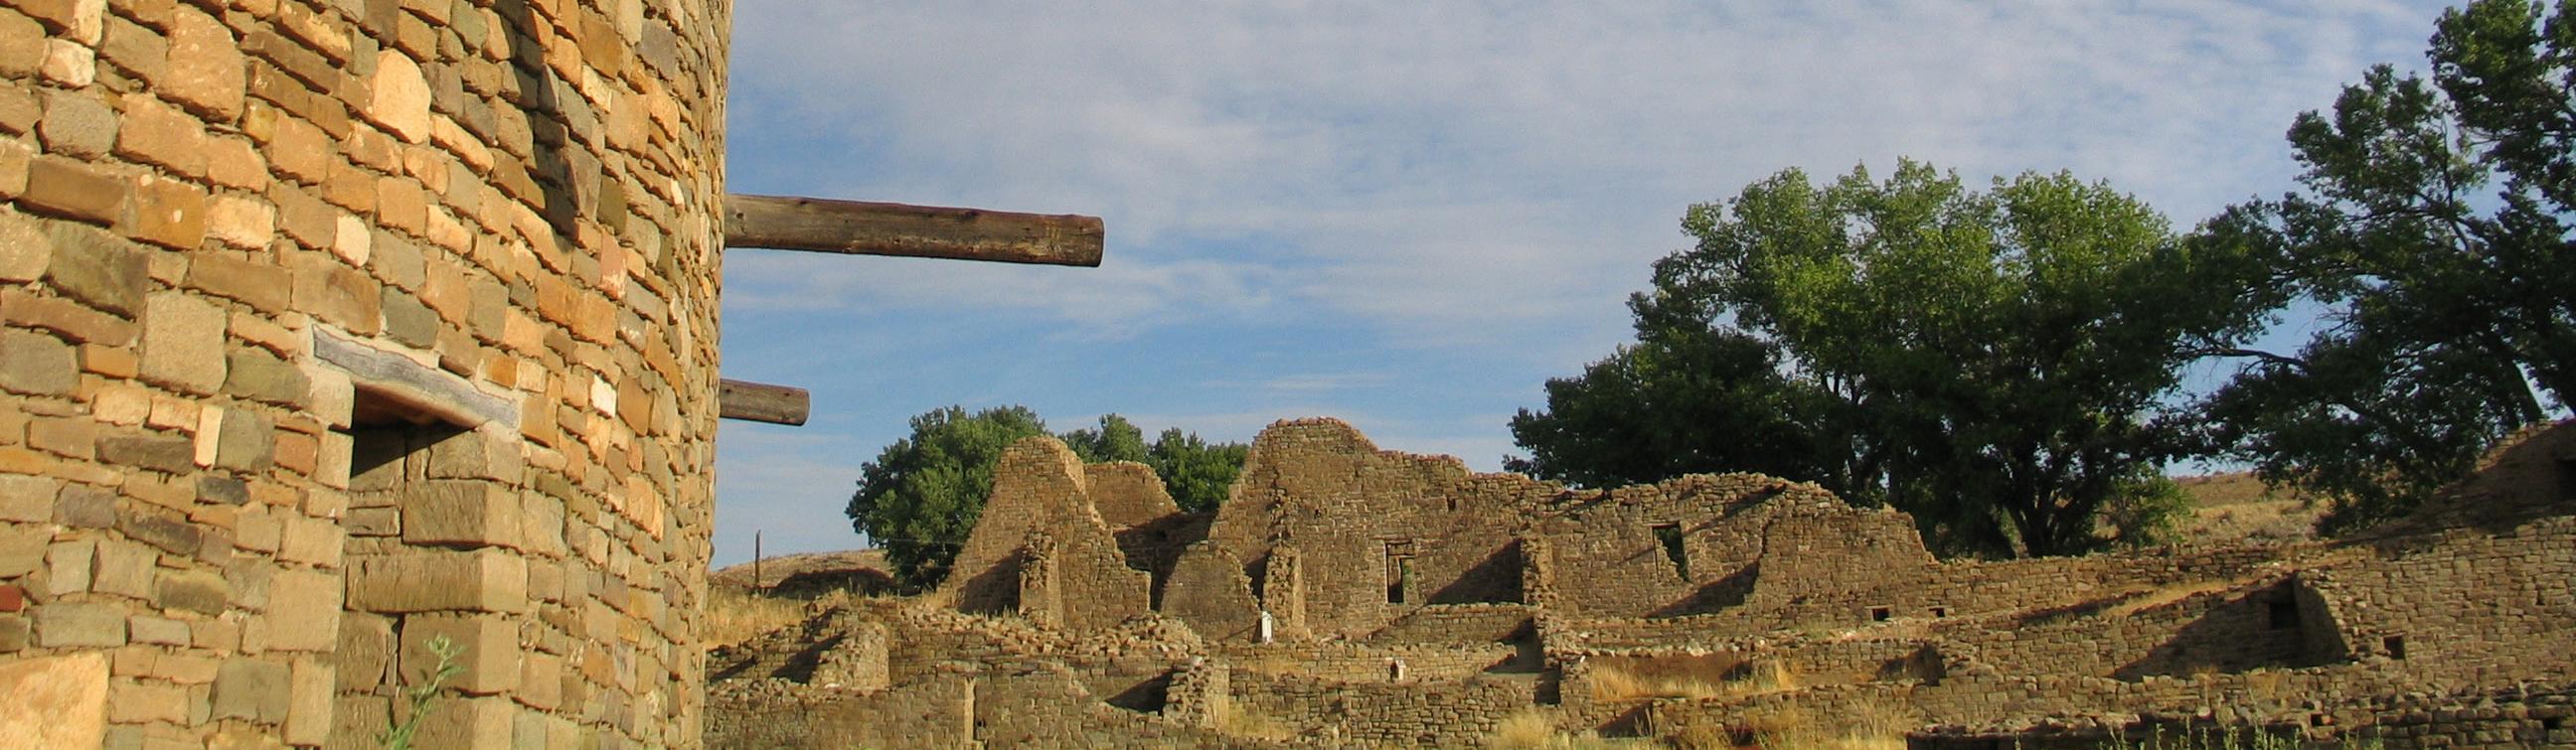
[
  {"x": 157, "y": 631},
  {"x": 61, "y": 187},
  {"x": 140, "y": 702},
  {"x": 398, "y": 97},
  {"x": 55, "y": 701},
  {"x": 247, "y": 442},
  {"x": 183, "y": 343},
  {"x": 68, "y": 566},
  {"x": 489, "y": 646},
  {"x": 23, "y": 250},
  {"x": 481, "y": 580},
  {"x": 80, "y": 625},
  {"x": 256, "y": 374},
  {"x": 85, "y": 506},
  {"x": 27, "y": 499},
  {"x": 173, "y": 535},
  {"x": 15, "y": 155},
  {"x": 338, "y": 294},
  {"x": 240, "y": 222},
  {"x": 69, "y": 437},
  {"x": 15, "y": 632},
  {"x": 222, "y": 490},
  {"x": 259, "y": 691},
  {"x": 262, "y": 286},
  {"x": 194, "y": 591},
  {"x": 12, "y": 598},
  {"x": 22, "y": 46},
  {"x": 308, "y": 714},
  {"x": 77, "y": 125},
  {"x": 69, "y": 64},
  {"x": 37, "y": 364},
  {"x": 78, "y": 20},
  {"x": 310, "y": 540},
  {"x": 304, "y": 611},
  {"x": 22, "y": 548},
  {"x": 136, "y": 51},
  {"x": 410, "y": 322},
  {"x": 110, "y": 361},
  {"x": 170, "y": 213},
  {"x": 75, "y": 322},
  {"x": 235, "y": 163},
  {"x": 98, "y": 268},
  {"x": 208, "y": 77},
  {"x": 158, "y": 133},
  {"x": 363, "y": 658}
]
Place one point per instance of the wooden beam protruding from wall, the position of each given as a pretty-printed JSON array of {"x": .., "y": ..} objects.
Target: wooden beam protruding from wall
[
  {"x": 862, "y": 228},
  {"x": 762, "y": 402}
]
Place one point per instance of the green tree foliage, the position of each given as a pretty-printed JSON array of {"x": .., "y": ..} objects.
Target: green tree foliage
[
  {"x": 921, "y": 497},
  {"x": 1197, "y": 473},
  {"x": 2432, "y": 228},
  {"x": 1992, "y": 362}
]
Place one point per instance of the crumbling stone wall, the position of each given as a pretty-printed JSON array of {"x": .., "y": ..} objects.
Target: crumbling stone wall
[
  {"x": 1041, "y": 547},
  {"x": 329, "y": 327}
]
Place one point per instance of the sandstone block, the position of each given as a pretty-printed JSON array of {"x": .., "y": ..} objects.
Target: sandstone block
[
  {"x": 170, "y": 213},
  {"x": 95, "y": 267},
  {"x": 14, "y": 634},
  {"x": 364, "y": 656},
  {"x": 69, "y": 63},
  {"x": 171, "y": 454},
  {"x": 22, "y": 46},
  {"x": 259, "y": 285},
  {"x": 77, "y": 125},
  {"x": 241, "y": 222},
  {"x": 37, "y": 364},
  {"x": 122, "y": 568},
  {"x": 80, "y": 625},
  {"x": 58, "y": 701},
  {"x": 183, "y": 343},
  {"x": 315, "y": 541},
  {"x": 27, "y": 499},
  {"x": 482, "y": 580},
  {"x": 15, "y": 155},
  {"x": 256, "y": 374},
  {"x": 398, "y": 97},
  {"x": 308, "y": 706},
  {"x": 208, "y": 75},
  {"x": 61, "y": 187},
  {"x": 470, "y": 722},
  {"x": 23, "y": 250},
  {"x": 193, "y": 590},
  {"x": 68, "y": 566},
  {"x": 157, "y": 133},
  {"x": 157, "y": 631},
  {"x": 22, "y": 550},
  {"x": 78, "y": 20},
  {"x": 138, "y": 702},
  {"x": 258, "y": 691},
  {"x": 489, "y": 650},
  {"x": 173, "y": 535},
  {"x": 461, "y": 512},
  {"x": 303, "y": 611},
  {"x": 247, "y": 442},
  {"x": 338, "y": 294}
]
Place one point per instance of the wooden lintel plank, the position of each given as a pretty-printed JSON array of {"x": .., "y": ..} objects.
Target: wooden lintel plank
[
  {"x": 762, "y": 402},
  {"x": 862, "y": 228}
]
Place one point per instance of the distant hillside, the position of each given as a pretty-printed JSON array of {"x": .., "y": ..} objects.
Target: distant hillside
[
  {"x": 811, "y": 574},
  {"x": 2235, "y": 507}
]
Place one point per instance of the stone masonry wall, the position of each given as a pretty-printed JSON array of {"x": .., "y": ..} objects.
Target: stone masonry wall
[{"x": 330, "y": 326}]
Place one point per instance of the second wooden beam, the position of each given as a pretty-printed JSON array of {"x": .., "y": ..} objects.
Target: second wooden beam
[{"x": 863, "y": 228}]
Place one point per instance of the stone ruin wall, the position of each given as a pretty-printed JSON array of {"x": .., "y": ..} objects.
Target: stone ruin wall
[{"x": 329, "y": 326}]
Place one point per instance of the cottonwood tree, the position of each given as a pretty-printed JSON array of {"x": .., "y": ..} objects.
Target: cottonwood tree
[
  {"x": 2432, "y": 229},
  {"x": 1996, "y": 363}
]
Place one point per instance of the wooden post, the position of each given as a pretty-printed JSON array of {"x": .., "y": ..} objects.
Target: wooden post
[
  {"x": 762, "y": 402},
  {"x": 862, "y": 228},
  {"x": 755, "y": 560}
]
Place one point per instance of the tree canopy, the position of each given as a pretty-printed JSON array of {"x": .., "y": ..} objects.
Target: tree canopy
[
  {"x": 1993, "y": 362},
  {"x": 921, "y": 497},
  {"x": 2431, "y": 227}
]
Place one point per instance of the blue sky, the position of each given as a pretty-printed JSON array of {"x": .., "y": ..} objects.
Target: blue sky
[{"x": 1406, "y": 215}]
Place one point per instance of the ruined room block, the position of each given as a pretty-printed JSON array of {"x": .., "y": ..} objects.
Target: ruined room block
[
  {"x": 857, "y": 662},
  {"x": 1208, "y": 590}
]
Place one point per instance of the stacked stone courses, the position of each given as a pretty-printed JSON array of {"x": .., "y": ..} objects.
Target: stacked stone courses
[{"x": 332, "y": 327}]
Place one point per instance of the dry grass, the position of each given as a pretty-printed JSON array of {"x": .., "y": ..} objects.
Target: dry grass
[
  {"x": 1235, "y": 721},
  {"x": 735, "y": 615},
  {"x": 1611, "y": 684},
  {"x": 1867, "y": 726},
  {"x": 1532, "y": 730}
]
